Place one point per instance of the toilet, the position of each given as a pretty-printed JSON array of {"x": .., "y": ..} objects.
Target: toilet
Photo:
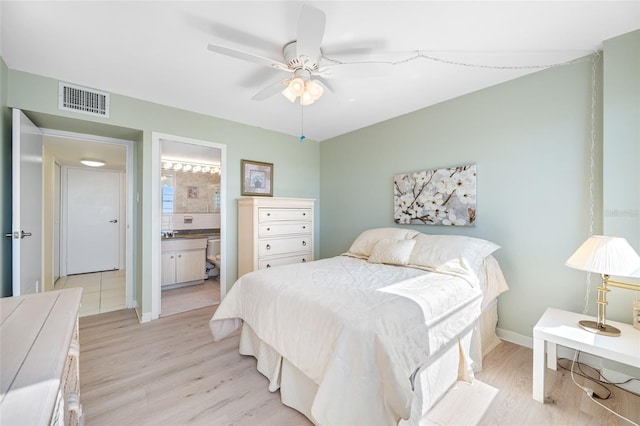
[{"x": 213, "y": 256}]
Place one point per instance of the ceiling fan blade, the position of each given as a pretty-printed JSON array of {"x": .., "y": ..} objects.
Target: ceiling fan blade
[
  {"x": 356, "y": 70},
  {"x": 248, "y": 56},
  {"x": 310, "y": 32},
  {"x": 269, "y": 91},
  {"x": 324, "y": 83}
]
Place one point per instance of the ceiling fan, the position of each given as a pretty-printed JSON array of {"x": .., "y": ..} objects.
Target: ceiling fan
[{"x": 303, "y": 59}]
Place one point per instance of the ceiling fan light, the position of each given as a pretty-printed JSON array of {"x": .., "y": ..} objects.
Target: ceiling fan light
[
  {"x": 306, "y": 99},
  {"x": 289, "y": 95},
  {"x": 297, "y": 86},
  {"x": 314, "y": 89}
]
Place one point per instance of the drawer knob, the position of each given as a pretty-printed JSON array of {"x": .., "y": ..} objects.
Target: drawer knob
[
  {"x": 268, "y": 214},
  {"x": 304, "y": 214},
  {"x": 304, "y": 227},
  {"x": 268, "y": 265},
  {"x": 304, "y": 243},
  {"x": 304, "y": 260},
  {"x": 268, "y": 229},
  {"x": 171, "y": 257},
  {"x": 268, "y": 246}
]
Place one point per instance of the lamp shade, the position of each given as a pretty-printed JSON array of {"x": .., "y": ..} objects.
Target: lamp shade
[{"x": 606, "y": 255}]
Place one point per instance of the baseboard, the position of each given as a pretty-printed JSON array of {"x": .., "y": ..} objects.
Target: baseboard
[
  {"x": 144, "y": 317},
  {"x": 585, "y": 358},
  {"x": 515, "y": 338}
]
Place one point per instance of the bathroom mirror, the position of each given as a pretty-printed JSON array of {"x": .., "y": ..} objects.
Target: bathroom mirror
[
  {"x": 188, "y": 192},
  {"x": 190, "y": 178}
]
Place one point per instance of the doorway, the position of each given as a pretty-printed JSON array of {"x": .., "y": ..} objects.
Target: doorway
[
  {"x": 106, "y": 288},
  {"x": 189, "y": 218}
]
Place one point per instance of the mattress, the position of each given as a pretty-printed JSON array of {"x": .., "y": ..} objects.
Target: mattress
[{"x": 360, "y": 332}]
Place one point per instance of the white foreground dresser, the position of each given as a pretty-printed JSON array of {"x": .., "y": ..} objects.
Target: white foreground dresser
[
  {"x": 274, "y": 231},
  {"x": 39, "y": 351}
]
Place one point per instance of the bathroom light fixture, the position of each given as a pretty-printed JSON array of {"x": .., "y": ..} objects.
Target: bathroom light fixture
[
  {"x": 606, "y": 256},
  {"x": 93, "y": 163},
  {"x": 189, "y": 166}
]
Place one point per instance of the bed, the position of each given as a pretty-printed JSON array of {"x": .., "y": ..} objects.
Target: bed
[{"x": 374, "y": 336}]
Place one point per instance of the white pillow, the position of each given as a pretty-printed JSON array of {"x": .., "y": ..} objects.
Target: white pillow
[
  {"x": 392, "y": 252},
  {"x": 450, "y": 251},
  {"x": 365, "y": 242}
]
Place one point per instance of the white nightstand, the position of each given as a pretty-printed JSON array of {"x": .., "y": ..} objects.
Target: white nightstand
[{"x": 557, "y": 327}]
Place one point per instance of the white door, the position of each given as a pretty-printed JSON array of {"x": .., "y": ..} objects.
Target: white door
[
  {"x": 26, "y": 226},
  {"x": 93, "y": 221}
]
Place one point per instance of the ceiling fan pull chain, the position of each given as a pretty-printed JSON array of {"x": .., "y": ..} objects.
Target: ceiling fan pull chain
[{"x": 302, "y": 136}]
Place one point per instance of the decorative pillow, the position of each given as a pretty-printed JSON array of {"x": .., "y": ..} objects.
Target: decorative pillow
[
  {"x": 365, "y": 242},
  {"x": 450, "y": 251},
  {"x": 392, "y": 252}
]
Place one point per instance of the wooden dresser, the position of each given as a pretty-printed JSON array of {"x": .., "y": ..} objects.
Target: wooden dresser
[
  {"x": 274, "y": 231},
  {"x": 39, "y": 355}
]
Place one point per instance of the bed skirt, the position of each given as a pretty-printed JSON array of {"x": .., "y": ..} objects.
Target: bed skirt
[{"x": 430, "y": 384}]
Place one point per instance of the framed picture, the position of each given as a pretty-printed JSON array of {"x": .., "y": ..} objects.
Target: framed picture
[
  {"x": 192, "y": 192},
  {"x": 436, "y": 197},
  {"x": 257, "y": 178}
]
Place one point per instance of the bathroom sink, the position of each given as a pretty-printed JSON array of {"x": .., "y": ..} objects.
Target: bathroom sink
[{"x": 184, "y": 236}]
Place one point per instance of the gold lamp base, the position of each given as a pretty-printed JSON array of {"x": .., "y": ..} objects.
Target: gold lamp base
[{"x": 605, "y": 330}]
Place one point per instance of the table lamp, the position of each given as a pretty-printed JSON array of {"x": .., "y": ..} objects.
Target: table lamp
[{"x": 606, "y": 256}]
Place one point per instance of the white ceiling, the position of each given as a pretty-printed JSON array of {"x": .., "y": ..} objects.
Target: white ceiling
[{"x": 157, "y": 51}]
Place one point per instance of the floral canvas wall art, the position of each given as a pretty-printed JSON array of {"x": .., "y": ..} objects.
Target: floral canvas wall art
[{"x": 436, "y": 197}]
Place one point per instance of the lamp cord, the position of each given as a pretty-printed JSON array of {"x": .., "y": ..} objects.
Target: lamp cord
[
  {"x": 594, "y": 62},
  {"x": 589, "y": 392}
]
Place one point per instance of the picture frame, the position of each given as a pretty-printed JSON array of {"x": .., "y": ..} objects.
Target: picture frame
[
  {"x": 256, "y": 178},
  {"x": 436, "y": 197}
]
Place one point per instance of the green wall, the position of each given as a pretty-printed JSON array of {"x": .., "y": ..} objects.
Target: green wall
[
  {"x": 621, "y": 156},
  {"x": 530, "y": 139},
  {"x": 5, "y": 183},
  {"x": 296, "y": 165}
]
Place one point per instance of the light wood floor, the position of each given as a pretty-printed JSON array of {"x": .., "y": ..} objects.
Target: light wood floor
[
  {"x": 191, "y": 297},
  {"x": 170, "y": 372}
]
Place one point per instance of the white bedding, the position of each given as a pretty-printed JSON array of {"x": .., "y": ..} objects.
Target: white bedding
[{"x": 358, "y": 330}]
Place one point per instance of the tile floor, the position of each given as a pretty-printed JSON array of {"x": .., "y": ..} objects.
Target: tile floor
[{"x": 102, "y": 291}]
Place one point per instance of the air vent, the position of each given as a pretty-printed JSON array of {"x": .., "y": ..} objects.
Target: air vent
[{"x": 83, "y": 100}]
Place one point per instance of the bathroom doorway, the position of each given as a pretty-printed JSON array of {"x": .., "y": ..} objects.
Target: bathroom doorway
[{"x": 188, "y": 192}]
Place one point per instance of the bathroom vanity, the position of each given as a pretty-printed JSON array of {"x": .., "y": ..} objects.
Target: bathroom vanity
[{"x": 183, "y": 262}]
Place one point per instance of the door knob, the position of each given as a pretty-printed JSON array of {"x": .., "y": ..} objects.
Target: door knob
[{"x": 113, "y": 221}]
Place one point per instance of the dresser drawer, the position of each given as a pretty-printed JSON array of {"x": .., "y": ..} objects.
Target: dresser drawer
[
  {"x": 287, "y": 228},
  {"x": 279, "y": 261},
  {"x": 276, "y": 246},
  {"x": 268, "y": 214}
]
